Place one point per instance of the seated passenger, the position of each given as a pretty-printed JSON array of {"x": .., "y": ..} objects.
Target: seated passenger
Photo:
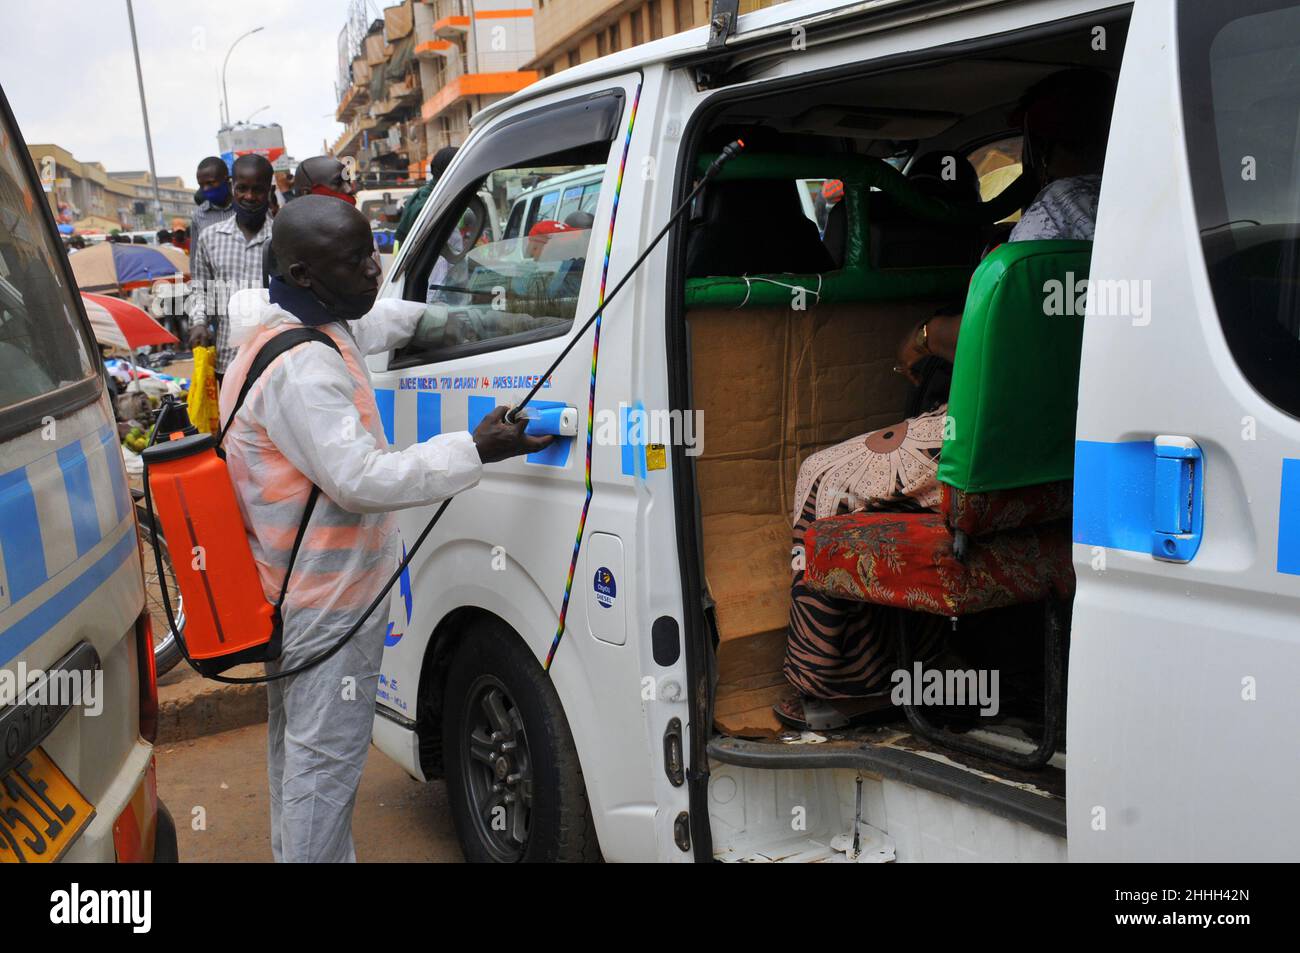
[{"x": 840, "y": 653}]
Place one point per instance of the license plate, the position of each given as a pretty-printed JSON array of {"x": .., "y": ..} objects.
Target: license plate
[{"x": 41, "y": 811}]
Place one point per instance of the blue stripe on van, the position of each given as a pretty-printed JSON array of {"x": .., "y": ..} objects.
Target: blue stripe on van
[
  {"x": 1114, "y": 492},
  {"x": 116, "y": 472},
  {"x": 633, "y": 453},
  {"x": 428, "y": 415},
  {"x": 1288, "y": 520},
  {"x": 20, "y": 535},
  {"x": 385, "y": 398},
  {"x": 81, "y": 497},
  {"x": 59, "y": 605},
  {"x": 478, "y": 408}
]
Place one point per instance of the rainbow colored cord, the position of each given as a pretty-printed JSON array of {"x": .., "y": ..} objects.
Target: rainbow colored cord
[{"x": 591, "y": 400}]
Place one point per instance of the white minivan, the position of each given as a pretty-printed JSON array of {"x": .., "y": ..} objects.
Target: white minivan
[
  {"x": 590, "y": 645},
  {"x": 78, "y": 688}
]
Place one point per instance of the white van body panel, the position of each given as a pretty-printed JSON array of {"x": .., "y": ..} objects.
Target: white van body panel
[{"x": 1166, "y": 750}]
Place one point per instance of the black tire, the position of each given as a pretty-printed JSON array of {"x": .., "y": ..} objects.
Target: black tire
[
  {"x": 522, "y": 804},
  {"x": 166, "y": 651}
]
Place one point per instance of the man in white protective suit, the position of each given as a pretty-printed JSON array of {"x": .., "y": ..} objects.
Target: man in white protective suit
[{"x": 310, "y": 420}]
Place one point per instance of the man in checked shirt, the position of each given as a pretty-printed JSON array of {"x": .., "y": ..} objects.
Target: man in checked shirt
[{"x": 228, "y": 258}]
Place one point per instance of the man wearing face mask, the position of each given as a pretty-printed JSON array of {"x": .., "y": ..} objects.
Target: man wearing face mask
[
  {"x": 228, "y": 257},
  {"x": 311, "y": 420},
  {"x": 213, "y": 196}
]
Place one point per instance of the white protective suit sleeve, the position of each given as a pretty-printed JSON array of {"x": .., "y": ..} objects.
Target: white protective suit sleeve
[
  {"x": 307, "y": 411},
  {"x": 389, "y": 324}
]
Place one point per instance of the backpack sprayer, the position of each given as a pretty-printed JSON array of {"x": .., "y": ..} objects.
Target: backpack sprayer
[{"x": 228, "y": 619}]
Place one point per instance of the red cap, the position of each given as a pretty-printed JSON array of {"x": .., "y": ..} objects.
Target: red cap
[{"x": 549, "y": 226}]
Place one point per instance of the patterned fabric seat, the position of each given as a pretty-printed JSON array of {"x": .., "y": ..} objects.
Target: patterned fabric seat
[{"x": 910, "y": 560}]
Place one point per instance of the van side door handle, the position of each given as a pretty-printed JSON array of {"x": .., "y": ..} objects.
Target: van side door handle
[{"x": 1178, "y": 502}]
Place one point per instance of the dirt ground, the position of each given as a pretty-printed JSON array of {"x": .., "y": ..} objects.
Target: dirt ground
[{"x": 224, "y": 775}]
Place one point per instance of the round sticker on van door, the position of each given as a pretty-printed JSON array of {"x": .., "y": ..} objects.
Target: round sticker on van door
[{"x": 605, "y": 587}]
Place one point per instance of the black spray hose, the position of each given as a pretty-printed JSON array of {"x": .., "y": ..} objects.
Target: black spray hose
[{"x": 726, "y": 155}]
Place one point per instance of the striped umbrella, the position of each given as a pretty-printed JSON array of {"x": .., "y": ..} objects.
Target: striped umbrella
[{"x": 119, "y": 323}]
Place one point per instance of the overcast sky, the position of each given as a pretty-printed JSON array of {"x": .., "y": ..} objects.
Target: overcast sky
[{"x": 67, "y": 70}]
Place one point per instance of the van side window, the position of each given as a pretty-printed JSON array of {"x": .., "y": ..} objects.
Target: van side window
[
  {"x": 42, "y": 348},
  {"x": 514, "y": 287},
  {"x": 1242, "y": 112}
]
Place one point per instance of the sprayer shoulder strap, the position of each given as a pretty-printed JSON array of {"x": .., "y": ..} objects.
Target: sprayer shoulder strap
[{"x": 284, "y": 341}]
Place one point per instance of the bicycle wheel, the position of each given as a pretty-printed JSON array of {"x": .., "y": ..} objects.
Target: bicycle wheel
[{"x": 166, "y": 651}]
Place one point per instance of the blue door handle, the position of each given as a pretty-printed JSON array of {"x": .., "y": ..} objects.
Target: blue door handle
[
  {"x": 555, "y": 421},
  {"x": 1178, "y": 507}
]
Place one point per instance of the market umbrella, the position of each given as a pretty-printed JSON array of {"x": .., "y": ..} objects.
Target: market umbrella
[
  {"x": 114, "y": 268},
  {"x": 119, "y": 323},
  {"x": 177, "y": 257}
]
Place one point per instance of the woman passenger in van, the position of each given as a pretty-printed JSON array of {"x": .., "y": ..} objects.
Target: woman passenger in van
[{"x": 839, "y": 653}]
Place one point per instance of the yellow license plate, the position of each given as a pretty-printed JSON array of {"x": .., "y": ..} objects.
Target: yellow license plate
[{"x": 41, "y": 811}]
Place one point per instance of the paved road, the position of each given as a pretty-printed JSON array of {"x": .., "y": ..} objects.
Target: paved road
[{"x": 396, "y": 819}]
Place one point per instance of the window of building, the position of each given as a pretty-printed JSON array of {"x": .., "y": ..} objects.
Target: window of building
[
  {"x": 654, "y": 10},
  {"x": 638, "y": 32}
]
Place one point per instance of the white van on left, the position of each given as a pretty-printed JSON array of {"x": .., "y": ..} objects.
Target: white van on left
[{"x": 78, "y": 697}]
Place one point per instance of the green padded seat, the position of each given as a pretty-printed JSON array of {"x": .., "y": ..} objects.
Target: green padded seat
[{"x": 1015, "y": 384}]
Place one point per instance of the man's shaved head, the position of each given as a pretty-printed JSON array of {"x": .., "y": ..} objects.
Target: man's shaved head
[
  {"x": 325, "y": 246},
  {"x": 310, "y": 225}
]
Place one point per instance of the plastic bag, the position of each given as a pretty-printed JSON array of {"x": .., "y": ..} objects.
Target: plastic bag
[{"x": 202, "y": 404}]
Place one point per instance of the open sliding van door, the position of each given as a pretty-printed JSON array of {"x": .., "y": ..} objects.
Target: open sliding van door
[{"x": 1185, "y": 653}]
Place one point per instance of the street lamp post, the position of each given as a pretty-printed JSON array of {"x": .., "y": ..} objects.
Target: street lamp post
[
  {"x": 144, "y": 111},
  {"x": 225, "y": 97}
]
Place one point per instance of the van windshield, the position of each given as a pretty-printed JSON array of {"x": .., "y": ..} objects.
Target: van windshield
[{"x": 41, "y": 348}]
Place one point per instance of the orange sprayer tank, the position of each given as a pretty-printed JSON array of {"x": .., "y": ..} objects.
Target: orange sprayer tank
[{"x": 228, "y": 620}]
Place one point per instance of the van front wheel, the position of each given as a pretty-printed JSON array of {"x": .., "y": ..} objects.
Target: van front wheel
[{"x": 513, "y": 778}]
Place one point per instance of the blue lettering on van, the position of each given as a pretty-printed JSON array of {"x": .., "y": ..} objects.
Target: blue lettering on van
[{"x": 486, "y": 382}]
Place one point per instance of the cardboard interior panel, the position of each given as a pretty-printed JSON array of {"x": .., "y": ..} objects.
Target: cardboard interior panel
[{"x": 775, "y": 386}]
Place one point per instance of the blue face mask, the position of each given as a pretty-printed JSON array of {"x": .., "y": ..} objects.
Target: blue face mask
[{"x": 218, "y": 196}]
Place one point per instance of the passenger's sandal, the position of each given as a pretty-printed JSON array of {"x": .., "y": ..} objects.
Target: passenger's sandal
[{"x": 820, "y": 714}]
